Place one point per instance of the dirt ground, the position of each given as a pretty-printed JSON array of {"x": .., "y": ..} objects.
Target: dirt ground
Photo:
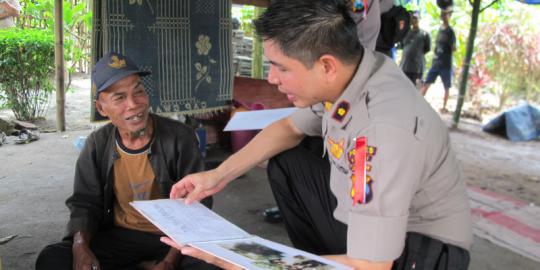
[{"x": 36, "y": 178}]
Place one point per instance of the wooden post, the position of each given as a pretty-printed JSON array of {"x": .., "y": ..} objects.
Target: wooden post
[
  {"x": 257, "y": 69},
  {"x": 59, "y": 64}
]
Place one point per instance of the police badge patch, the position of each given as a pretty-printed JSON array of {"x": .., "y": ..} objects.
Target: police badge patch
[{"x": 361, "y": 182}]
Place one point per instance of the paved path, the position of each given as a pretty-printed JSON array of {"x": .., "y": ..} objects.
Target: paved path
[{"x": 506, "y": 221}]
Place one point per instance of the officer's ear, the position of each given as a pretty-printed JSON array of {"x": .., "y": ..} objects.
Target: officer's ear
[{"x": 329, "y": 66}]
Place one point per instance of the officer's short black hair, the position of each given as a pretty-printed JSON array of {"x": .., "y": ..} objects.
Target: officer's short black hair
[{"x": 307, "y": 29}]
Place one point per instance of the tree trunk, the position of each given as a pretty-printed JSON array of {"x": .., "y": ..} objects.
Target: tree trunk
[
  {"x": 467, "y": 61},
  {"x": 59, "y": 63}
]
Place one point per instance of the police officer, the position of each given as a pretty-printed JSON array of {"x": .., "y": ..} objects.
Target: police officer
[
  {"x": 395, "y": 196},
  {"x": 367, "y": 17}
]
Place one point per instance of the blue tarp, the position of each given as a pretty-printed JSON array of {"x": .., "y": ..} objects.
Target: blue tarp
[
  {"x": 530, "y": 2},
  {"x": 521, "y": 123}
]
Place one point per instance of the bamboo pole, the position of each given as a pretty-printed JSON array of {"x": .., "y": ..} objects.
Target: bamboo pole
[
  {"x": 59, "y": 64},
  {"x": 257, "y": 70},
  {"x": 467, "y": 62}
]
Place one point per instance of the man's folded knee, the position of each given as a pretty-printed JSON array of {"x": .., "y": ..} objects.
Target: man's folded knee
[{"x": 55, "y": 256}]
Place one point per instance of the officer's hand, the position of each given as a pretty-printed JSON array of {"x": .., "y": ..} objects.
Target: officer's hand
[
  {"x": 84, "y": 258},
  {"x": 198, "y": 186},
  {"x": 201, "y": 255}
]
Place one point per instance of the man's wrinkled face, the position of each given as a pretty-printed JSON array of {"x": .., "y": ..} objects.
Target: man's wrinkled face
[
  {"x": 293, "y": 78},
  {"x": 126, "y": 104}
]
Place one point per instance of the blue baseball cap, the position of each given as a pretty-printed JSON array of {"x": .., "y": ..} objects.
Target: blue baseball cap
[{"x": 111, "y": 68}]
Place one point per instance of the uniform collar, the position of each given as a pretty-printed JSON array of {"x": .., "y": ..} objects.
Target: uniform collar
[{"x": 340, "y": 112}]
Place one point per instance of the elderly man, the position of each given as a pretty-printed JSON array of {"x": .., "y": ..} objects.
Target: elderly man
[
  {"x": 138, "y": 156},
  {"x": 395, "y": 198},
  {"x": 8, "y": 10}
]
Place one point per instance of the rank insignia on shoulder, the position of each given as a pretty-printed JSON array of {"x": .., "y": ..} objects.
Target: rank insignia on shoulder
[{"x": 341, "y": 111}]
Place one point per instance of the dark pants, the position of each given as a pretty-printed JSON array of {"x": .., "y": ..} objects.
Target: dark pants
[
  {"x": 116, "y": 248},
  {"x": 413, "y": 76},
  {"x": 445, "y": 73},
  {"x": 307, "y": 203},
  {"x": 300, "y": 181}
]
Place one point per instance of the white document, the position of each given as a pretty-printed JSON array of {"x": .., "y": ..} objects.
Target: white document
[
  {"x": 253, "y": 120},
  {"x": 188, "y": 223},
  {"x": 200, "y": 227}
]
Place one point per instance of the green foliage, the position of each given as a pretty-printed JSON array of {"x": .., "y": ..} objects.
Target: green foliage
[
  {"x": 248, "y": 15},
  {"x": 510, "y": 57},
  {"x": 77, "y": 20},
  {"x": 26, "y": 66},
  {"x": 506, "y": 61}
]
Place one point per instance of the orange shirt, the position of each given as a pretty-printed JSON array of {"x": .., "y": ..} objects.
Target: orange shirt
[{"x": 133, "y": 181}]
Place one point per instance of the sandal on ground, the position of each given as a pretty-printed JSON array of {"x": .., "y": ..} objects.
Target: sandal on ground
[
  {"x": 2, "y": 138},
  {"x": 27, "y": 136}
]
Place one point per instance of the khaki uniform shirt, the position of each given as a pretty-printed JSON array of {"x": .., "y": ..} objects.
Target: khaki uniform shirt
[{"x": 413, "y": 180}]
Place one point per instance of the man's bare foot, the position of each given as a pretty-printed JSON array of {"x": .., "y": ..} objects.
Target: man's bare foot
[{"x": 443, "y": 110}]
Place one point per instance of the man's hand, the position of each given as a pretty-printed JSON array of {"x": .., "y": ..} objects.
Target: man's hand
[
  {"x": 198, "y": 186},
  {"x": 170, "y": 262},
  {"x": 201, "y": 255},
  {"x": 83, "y": 257}
]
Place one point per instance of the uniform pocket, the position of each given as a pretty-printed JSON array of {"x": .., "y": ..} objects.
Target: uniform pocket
[{"x": 420, "y": 128}]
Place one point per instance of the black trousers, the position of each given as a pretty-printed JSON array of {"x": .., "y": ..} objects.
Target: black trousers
[
  {"x": 115, "y": 248},
  {"x": 300, "y": 182},
  {"x": 413, "y": 76},
  {"x": 299, "y": 178}
]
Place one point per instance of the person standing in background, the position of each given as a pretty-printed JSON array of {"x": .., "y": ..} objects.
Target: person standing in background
[
  {"x": 8, "y": 10},
  {"x": 415, "y": 45},
  {"x": 442, "y": 59}
]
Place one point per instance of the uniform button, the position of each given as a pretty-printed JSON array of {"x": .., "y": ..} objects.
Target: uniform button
[{"x": 108, "y": 211}]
